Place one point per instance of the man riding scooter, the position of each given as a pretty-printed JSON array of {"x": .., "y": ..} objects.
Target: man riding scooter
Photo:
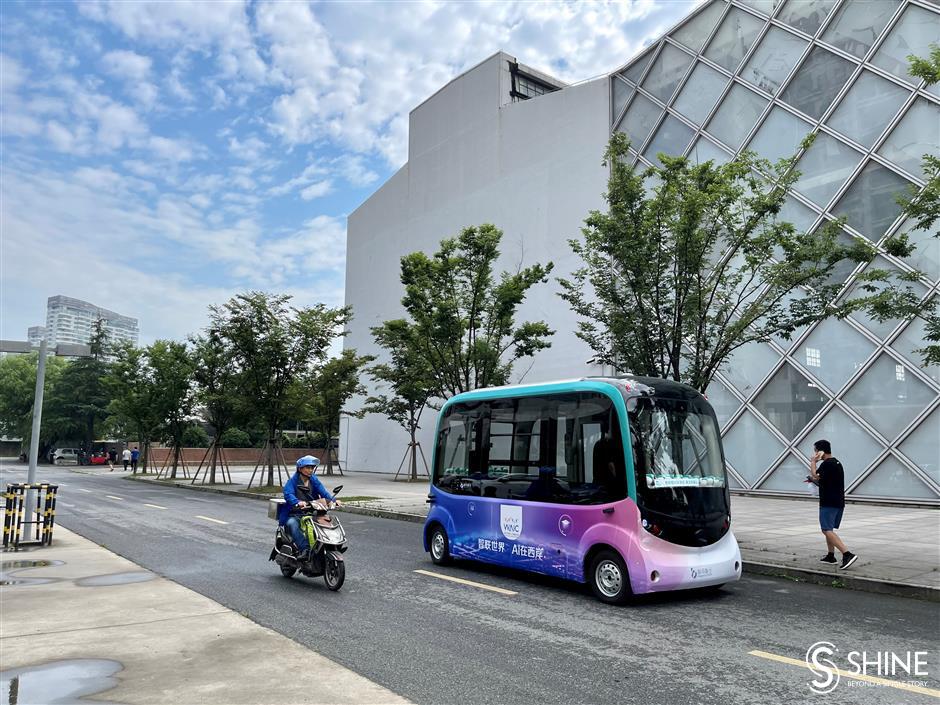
[{"x": 301, "y": 491}]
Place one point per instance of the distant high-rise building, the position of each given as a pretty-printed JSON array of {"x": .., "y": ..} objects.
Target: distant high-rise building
[
  {"x": 72, "y": 321},
  {"x": 35, "y": 334}
]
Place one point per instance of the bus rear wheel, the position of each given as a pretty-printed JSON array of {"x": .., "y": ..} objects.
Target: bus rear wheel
[
  {"x": 440, "y": 546},
  {"x": 609, "y": 579}
]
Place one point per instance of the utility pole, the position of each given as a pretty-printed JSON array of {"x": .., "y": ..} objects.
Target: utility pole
[{"x": 37, "y": 413}]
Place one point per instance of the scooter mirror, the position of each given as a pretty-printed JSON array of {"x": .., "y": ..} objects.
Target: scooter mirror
[{"x": 337, "y": 489}]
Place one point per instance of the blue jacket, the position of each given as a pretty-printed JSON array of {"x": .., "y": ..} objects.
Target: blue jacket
[{"x": 290, "y": 494}]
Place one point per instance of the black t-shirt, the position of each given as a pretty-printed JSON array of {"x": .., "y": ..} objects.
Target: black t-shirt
[{"x": 831, "y": 483}]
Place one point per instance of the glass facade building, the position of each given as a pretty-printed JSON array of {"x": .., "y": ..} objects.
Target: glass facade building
[{"x": 761, "y": 75}]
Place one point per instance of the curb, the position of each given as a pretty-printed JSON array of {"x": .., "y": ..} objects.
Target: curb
[{"x": 848, "y": 582}]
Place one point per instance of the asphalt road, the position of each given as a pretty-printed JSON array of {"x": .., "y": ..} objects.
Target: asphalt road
[{"x": 436, "y": 641}]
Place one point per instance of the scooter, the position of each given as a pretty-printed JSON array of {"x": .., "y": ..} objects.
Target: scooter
[{"x": 326, "y": 551}]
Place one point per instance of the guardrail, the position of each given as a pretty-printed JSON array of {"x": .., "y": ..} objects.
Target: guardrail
[{"x": 17, "y": 516}]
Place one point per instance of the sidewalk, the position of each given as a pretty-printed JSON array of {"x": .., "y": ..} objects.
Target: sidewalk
[
  {"x": 80, "y": 621},
  {"x": 898, "y": 547}
]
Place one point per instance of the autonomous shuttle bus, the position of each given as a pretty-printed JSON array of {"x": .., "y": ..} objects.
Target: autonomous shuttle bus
[{"x": 617, "y": 482}]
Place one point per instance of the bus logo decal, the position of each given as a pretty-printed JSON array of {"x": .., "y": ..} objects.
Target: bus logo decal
[{"x": 510, "y": 521}]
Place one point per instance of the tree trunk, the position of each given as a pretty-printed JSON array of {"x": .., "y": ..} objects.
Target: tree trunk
[
  {"x": 272, "y": 449},
  {"x": 212, "y": 459},
  {"x": 145, "y": 454},
  {"x": 414, "y": 455}
]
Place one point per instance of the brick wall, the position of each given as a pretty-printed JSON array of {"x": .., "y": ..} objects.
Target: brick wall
[{"x": 234, "y": 456}]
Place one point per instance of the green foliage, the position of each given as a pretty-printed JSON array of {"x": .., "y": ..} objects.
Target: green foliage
[
  {"x": 927, "y": 69},
  {"x": 78, "y": 404},
  {"x": 218, "y": 381},
  {"x": 407, "y": 377},
  {"x": 235, "y": 438},
  {"x": 195, "y": 437},
  {"x": 134, "y": 404},
  {"x": 17, "y": 390},
  {"x": 462, "y": 319},
  {"x": 676, "y": 280},
  {"x": 172, "y": 380},
  {"x": 326, "y": 392}
]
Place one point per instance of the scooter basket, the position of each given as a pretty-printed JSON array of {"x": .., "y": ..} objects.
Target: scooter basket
[{"x": 273, "y": 504}]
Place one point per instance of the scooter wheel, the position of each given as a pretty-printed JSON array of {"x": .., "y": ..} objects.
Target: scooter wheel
[
  {"x": 287, "y": 571},
  {"x": 335, "y": 574}
]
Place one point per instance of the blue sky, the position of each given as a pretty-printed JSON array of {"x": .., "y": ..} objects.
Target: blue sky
[{"x": 160, "y": 157}]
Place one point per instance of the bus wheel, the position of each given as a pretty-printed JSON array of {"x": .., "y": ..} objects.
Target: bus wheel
[
  {"x": 440, "y": 547},
  {"x": 609, "y": 578}
]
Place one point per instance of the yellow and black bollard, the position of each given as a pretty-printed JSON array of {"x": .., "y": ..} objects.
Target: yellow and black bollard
[{"x": 16, "y": 513}]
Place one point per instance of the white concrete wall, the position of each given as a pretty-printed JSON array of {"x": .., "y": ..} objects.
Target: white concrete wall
[{"x": 532, "y": 168}]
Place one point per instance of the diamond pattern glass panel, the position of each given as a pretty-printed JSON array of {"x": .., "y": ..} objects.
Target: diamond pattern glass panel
[
  {"x": 806, "y": 15},
  {"x": 750, "y": 447},
  {"x": 672, "y": 138},
  {"x": 639, "y": 119},
  {"x": 817, "y": 82},
  {"x": 780, "y": 135},
  {"x": 923, "y": 447},
  {"x": 788, "y": 299},
  {"x": 621, "y": 94},
  {"x": 700, "y": 93},
  {"x": 765, "y": 7},
  {"x": 833, "y": 352},
  {"x": 858, "y": 24},
  {"x": 667, "y": 71},
  {"x": 748, "y": 365},
  {"x": 926, "y": 254},
  {"x": 867, "y": 108},
  {"x": 888, "y": 396},
  {"x": 634, "y": 71},
  {"x": 705, "y": 150},
  {"x": 788, "y": 477},
  {"x": 795, "y": 212},
  {"x": 790, "y": 401},
  {"x": 912, "y": 339},
  {"x": 736, "y": 116},
  {"x": 723, "y": 401},
  {"x": 892, "y": 479},
  {"x": 825, "y": 166},
  {"x": 912, "y": 35},
  {"x": 774, "y": 59},
  {"x": 734, "y": 37},
  {"x": 694, "y": 32},
  {"x": 917, "y": 134},
  {"x": 883, "y": 328},
  {"x": 870, "y": 204},
  {"x": 733, "y": 482},
  {"x": 851, "y": 444}
]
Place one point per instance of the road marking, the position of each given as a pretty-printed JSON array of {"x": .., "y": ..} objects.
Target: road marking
[
  {"x": 848, "y": 674},
  {"x": 64, "y": 504},
  {"x": 217, "y": 521},
  {"x": 155, "y": 506},
  {"x": 482, "y": 586},
  {"x": 82, "y": 489},
  {"x": 111, "y": 496}
]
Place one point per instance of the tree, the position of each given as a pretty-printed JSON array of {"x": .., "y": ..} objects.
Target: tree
[
  {"x": 328, "y": 390},
  {"x": 676, "y": 280},
  {"x": 134, "y": 397},
  {"x": 409, "y": 379},
  {"x": 195, "y": 436},
  {"x": 235, "y": 438},
  {"x": 218, "y": 390},
  {"x": 463, "y": 320},
  {"x": 172, "y": 368},
  {"x": 274, "y": 344},
  {"x": 17, "y": 392},
  {"x": 79, "y": 402}
]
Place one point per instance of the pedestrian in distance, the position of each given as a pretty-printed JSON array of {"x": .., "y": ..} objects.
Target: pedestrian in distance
[
  {"x": 826, "y": 471},
  {"x": 135, "y": 455},
  {"x": 112, "y": 456},
  {"x": 126, "y": 457}
]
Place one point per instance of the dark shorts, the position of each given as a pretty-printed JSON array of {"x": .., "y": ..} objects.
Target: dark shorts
[{"x": 830, "y": 518}]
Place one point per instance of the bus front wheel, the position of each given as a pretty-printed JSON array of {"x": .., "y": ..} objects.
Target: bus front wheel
[
  {"x": 440, "y": 546},
  {"x": 609, "y": 579}
]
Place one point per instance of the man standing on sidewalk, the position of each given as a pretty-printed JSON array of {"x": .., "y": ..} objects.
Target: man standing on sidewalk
[
  {"x": 831, "y": 480},
  {"x": 135, "y": 456},
  {"x": 126, "y": 457}
]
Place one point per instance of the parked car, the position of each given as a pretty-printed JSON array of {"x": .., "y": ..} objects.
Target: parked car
[
  {"x": 65, "y": 456},
  {"x": 98, "y": 459}
]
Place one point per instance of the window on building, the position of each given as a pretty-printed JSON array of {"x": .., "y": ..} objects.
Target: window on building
[{"x": 525, "y": 86}]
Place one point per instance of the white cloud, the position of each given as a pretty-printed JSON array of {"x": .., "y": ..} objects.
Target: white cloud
[
  {"x": 127, "y": 65},
  {"x": 250, "y": 149},
  {"x": 316, "y": 190}
]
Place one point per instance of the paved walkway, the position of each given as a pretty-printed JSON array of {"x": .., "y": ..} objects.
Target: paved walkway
[
  {"x": 85, "y": 622},
  {"x": 898, "y": 547}
]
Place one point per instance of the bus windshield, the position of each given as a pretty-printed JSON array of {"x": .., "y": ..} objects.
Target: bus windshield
[{"x": 676, "y": 443}]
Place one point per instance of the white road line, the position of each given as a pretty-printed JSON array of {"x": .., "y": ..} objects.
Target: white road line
[
  {"x": 452, "y": 579},
  {"x": 217, "y": 521},
  {"x": 65, "y": 504},
  {"x": 111, "y": 496},
  {"x": 82, "y": 489},
  {"x": 155, "y": 506}
]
